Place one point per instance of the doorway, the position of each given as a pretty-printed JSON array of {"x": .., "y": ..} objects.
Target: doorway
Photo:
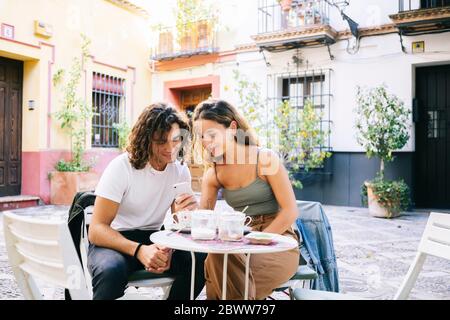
[
  {"x": 432, "y": 159},
  {"x": 11, "y": 75}
]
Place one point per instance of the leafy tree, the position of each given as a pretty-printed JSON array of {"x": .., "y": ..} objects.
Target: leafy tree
[{"x": 382, "y": 123}]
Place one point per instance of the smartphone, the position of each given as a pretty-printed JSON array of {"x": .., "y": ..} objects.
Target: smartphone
[{"x": 182, "y": 188}]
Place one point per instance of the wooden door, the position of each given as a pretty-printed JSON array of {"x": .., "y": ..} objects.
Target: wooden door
[
  {"x": 432, "y": 160},
  {"x": 11, "y": 74},
  {"x": 189, "y": 100}
]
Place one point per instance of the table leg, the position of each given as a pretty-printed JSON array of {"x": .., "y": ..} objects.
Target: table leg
[
  {"x": 224, "y": 277},
  {"x": 192, "y": 275},
  {"x": 247, "y": 271}
]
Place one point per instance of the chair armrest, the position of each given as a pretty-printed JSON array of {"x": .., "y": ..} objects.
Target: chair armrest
[{"x": 304, "y": 273}]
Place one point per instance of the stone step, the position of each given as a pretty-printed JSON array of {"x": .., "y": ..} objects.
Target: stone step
[{"x": 17, "y": 202}]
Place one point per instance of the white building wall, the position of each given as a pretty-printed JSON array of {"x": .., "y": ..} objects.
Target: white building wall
[{"x": 379, "y": 60}]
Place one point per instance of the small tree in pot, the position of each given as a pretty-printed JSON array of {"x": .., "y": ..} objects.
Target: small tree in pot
[
  {"x": 382, "y": 124},
  {"x": 73, "y": 176}
]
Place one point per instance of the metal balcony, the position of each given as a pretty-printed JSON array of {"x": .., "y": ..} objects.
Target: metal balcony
[
  {"x": 196, "y": 38},
  {"x": 284, "y": 25},
  {"x": 422, "y": 16}
]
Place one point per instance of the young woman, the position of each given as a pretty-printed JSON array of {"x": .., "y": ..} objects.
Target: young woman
[{"x": 253, "y": 177}]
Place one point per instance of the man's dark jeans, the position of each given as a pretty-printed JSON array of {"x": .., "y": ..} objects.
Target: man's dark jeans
[{"x": 110, "y": 270}]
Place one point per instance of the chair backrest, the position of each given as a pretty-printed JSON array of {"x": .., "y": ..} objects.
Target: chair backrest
[
  {"x": 436, "y": 242},
  {"x": 78, "y": 222},
  {"x": 43, "y": 249},
  {"x": 436, "y": 237}
]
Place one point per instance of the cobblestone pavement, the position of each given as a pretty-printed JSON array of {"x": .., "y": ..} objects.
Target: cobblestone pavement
[{"x": 373, "y": 257}]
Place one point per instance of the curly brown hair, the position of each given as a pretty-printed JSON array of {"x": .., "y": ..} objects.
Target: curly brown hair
[{"x": 153, "y": 125}]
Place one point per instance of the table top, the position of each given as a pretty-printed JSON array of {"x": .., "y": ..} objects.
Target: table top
[{"x": 180, "y": 241}]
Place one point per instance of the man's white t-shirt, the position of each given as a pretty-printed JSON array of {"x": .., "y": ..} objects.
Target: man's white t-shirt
[{"x": 144, "y": 195}]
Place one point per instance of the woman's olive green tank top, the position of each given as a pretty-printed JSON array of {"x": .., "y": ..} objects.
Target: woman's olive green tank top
[{"x": 258, "y": 196}]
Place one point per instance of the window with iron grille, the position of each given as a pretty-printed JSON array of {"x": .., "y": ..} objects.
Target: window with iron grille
[
  {"x": 108, "y": 101},
  {"x": 297, "y": 87}
]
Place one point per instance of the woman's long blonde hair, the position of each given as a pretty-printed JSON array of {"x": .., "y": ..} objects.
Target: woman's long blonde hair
[{"x": 224, "y": 113}]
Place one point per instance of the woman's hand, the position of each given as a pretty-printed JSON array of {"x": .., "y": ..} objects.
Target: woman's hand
[
  {"x": 185, "y": 202},
  {"x": 155, "y": 259}
]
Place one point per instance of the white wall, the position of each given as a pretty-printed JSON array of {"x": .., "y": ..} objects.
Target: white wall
[{"x": 379, "y": 60}]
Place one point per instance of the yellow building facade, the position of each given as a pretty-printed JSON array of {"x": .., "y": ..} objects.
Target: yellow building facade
[{"x": 38, "y": 39}]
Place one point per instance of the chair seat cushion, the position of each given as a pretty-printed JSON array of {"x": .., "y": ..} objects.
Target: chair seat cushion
[
  {"x": 307, "y": 294},
  {"x": 146, "y": 275},
  {"x": 304, "y": 273}
]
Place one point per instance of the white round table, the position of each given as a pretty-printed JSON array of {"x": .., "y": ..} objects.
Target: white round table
[{"x": 180, "y": 241}]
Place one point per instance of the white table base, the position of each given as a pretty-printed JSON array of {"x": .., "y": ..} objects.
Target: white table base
[{"x": 224, "y": 275}]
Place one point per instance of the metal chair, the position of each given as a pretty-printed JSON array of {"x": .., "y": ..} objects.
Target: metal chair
[
  {"x": 435, "y": 241},
  {"x": 138, "y": 279},
  {"x": 41, "y": 247}
]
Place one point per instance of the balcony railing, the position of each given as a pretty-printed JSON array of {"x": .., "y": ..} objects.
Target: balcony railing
[
  {"x": 274, "y": 15},
  {"x": 409, "y": 5},
  {"x": 199, "y": 37},
  {"x": 417, "y": 17}
]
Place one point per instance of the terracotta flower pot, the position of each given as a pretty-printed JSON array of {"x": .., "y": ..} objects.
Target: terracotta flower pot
[
  {"x": 64, "y": 185},
  {"x": 286, "y": 5},
  {"x": 165, "y": 45},
  {"x": 375, "y": 208}
]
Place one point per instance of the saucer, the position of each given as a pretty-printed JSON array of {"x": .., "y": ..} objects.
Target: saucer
[{"x": 260, "y": 238}]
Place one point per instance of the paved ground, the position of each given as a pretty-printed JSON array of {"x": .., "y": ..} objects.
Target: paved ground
[{"x": 373, "y": 257}]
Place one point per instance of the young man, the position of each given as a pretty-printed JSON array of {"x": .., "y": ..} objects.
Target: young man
[{"x": 133, "y": 196}]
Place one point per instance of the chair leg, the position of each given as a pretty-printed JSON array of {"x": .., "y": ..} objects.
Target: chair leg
[
  {"x": 306, "y": 284},
  {"x": 291, "y": 293},
  {"x": 411, "y": 277},
  {"x": 166, "y": 291}
]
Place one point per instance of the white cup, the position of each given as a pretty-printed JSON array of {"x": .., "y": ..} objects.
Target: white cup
[
  {"x": 203, "y": 225},
  {"x": 183, "y": 219},
  {"x": 231, "y": 225}
]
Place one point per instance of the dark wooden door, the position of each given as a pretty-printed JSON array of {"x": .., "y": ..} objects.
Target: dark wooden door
[
  {"x": 11, "y": 73},
  {"x": 192, "y": 97},
  {"x": 432, "y": 174}
]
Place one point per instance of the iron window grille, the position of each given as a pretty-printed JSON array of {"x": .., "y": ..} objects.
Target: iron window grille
[
  {"x": 108, "y": 101},
  {"x": 296, "y": 88}
]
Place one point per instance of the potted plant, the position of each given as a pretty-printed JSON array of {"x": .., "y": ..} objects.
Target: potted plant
[
  {"x": 203, "y": 34},
  {"x": 386, "y": 199},
  {"x": 382, "y": 126},
  {"x": 189, "y": 15},
  {"x": 186, "y": 18},
  {"x": 286, "y": 5},
  {"x": 73, "y": 176},
  {"x": 165, "y": 41}
]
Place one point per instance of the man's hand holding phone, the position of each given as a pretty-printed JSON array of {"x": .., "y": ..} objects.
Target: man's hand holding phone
[{"x": 184, "y": 197}]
